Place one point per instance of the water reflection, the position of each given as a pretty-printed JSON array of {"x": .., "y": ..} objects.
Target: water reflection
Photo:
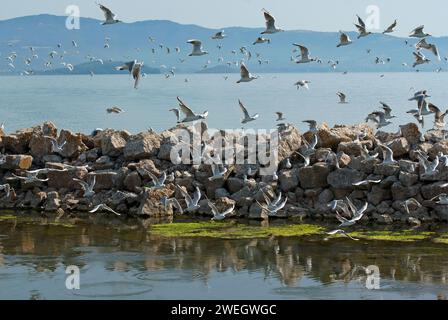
[{"x": 130, "y": 262}]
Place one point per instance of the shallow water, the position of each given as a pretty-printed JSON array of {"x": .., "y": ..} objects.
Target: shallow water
[
  {"x": 79, "y": 102},
  {"x": 124, "y": 261}
]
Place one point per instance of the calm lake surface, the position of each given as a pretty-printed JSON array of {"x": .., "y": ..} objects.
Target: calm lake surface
[
  {"x": 124, "y": 261},
  {"x": 79, "y": 102}
]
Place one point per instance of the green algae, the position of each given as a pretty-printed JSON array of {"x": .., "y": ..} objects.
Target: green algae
[
  {"x": 229, "y": 230},
  {"x": 398, "y": 236},
  {"x": 443, "y": 239},
  {"x": 6, "y": 217}
]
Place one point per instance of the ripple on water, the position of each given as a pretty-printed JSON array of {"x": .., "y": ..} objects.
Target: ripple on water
[{"x": 113, "y": 289}]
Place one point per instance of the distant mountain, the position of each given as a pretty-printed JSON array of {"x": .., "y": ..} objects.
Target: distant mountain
[{"x": 129, "y": 41}]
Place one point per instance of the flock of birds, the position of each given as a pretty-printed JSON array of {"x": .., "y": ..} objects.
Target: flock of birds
[{"x": 271, "y": 206}]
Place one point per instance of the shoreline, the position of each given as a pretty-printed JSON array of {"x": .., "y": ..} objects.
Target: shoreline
[{"x": 120, "y": 161}]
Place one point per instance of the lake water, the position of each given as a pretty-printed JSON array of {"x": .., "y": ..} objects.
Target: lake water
[
  {"x": 119, "y": 260},
  {"x": 79, "y": 102}
]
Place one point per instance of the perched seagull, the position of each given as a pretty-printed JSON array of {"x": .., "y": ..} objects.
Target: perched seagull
[
  {"x": 342, "y": 97},
  {"x": 261, "y": 40},
  {"x": 192, "y": 204},
  {"x": 418, "y": 33},
  {"x": 409, "y": 202},
  {"x": 7, "y": 188},
  {"x": 305, "y": 54},
  {"x": 391, "y": 28},
  {"x": 344, "y": 39},
  {"x": 103, "y": 206},
  {"x": 171, "y": 202},
  {"x": 361, "y": 26},
  {"x": 197, "y": 48},
  {"x": 247, "y": 118},
  {"x": 189, "y": 114},
  {"x": 388, "y": 154},
  {"x": 87, "y": 187},
  {"x": 419, "y": 59},
  {"x": 270, "y": 23},
  {"x": 303, "y": 84},
  {"x": 136, "y": 73},
  {"x": 312, "y": 125},
  {"x": 219, "y": 35},
  {"x": 279, "y": 116},
  {"x": 443, "y": 199},
  {"x": 246, "y": 76},
  {"x": 422, "y": 44},
  {"x": 55, "y": 146},
  {"x": 339, "y": 231},
  {"x": 111, "y": 18},
  {"x": 220, "y": 215},
  {"x": 176, "y": 113},
  {"x": 158, "y": 183},
  {"x": 114, "y": 110}
]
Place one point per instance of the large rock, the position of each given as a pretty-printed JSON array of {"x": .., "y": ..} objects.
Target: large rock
[
  {"x": 132, "y": 181},
  {"x": 386, "y": 169},
  {"x": 400, "y": 147},
  {"x": 113, "y": 143},
  {"x": 315, "y": 176},
  {"x": 13, "y": 162},
  {"x": 288, "y": 145},
  {"x": 411, "y": 133},
  {"x": 400, "y": 192},
  {"x": 18, "y": 142},
  {"x": 40, "y": 146},
  {"x": 105, "y": 180},
  {"x": 332, "y": 137},
  {"x": 151, "y": 205},
  {"x": 288, "y": 179},
  {"x": 378, "y": 195},
  {"x": 432, "y": 190},
  {"x": 74, "y": 144},
  {"x": 344, "y": 178},
  {"x": 59, "y": 179},
  {"x": 141, "y": 146},
  {"x": 53, "y": 202},
  {"x": 408, "y": 179}
]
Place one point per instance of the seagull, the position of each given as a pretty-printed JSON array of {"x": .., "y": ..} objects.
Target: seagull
[
  {"x": 189, "y": 114},
  {"x": 279, "y": 116},
  {"x": 361, "y": 26},
  {"x": 312, "y": 125},
  {"x": 272, "y": 207},
  {"x": 103, "y": 206},
  {"x": 366, "y": 155},
  {"x": 333, "y": 205},
  {"x": 197, "y": 48},
  {"x": 419, "y": 59},
  {"x": 388, "y": 155},
  {"x": 339, "y": 231},
  {"x": 391, "y": 28},
  {"x": 306, "y": 159},
  {"x": 270, "y": 23},
  {"x": 218, "y": 171},
  {"x": 127, "y": 66},
  {"x": 192, "y": 204},
  {"x": 410, "y": 201},
  {"x": 366, "y": 182},
  {"x": 430, "y": 168},
  {"x": 7, "y": 189},
  {"x": 87, "y": 187},
  {"x": 387, "y": 111},
  {"x": 418, "y": 33},
  {"x": 305, "y": 54},
  {"x": 158, "y": 183},
  {"x": 344, "y": 39},
  {"x": 220, "y": 215},
  {"x": 247, "y": 118},
  {"x": 261, "y": 40},
  {"x": 422, "y": 44},
  {"x": 246, "y": 76},
  {"x": 443, "y": 199},
  {"x": 219, "y": 35},
  {"x": 352, "y": 211},
  {"x": 31, "y": 176},
  {"x": 310, "y": 146},
  {"x": 172, "y": 201},
  {"x": 342, "y": 97},
  {"x": 136, "y": 73},
  {"x": 439, "y": 117},
  {"x": 55, "y": 146},
  {"x": 382, "y": 122},
  {"x": 109, "y": 15},
  {"x": 176, "y": 113},
  {"x": 303, "y": 84},
  {"x": 114, "y": 110}
]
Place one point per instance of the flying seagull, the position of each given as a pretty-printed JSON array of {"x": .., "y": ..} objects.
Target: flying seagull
[
  {"x": 246, "y": 76},
  {"x": 171, "y": 202},
  {"x": 361, "y": 26},
  {"x": 305, "y": 54},
  {"x": 270, "y": 23},
  {"x": 136, "y": 73},
  {"x": 158, "y": 183},
  {"x": 279, "y": 116},
  {"x": 303, "y": 84},
  {"x": 111, "y": 18},
  {"x": 344, "y": 39},
  {"x": 247, "y": 118},
  {"x": 391, "y": 28},
  {"x": 197, "y": 48},
  {"x": 422, "y": 44},
  {"x": 103, "y": 206},
  {"x": 219, "y": 35},
  {"x": 419, "y": 59},
  {"x": 418, "y": 33},
  {"x": 192, "y": 204},
  {"x": 189, "y": 114},
  {"x": 342, "y": 97},
  {"x": 176, "y": 113},
  {"x": 87, "y": 187},
  {"x": 261, "y": 40},
  {"x": 343, "y": 232},
  {"x": 217, "y": 215}
]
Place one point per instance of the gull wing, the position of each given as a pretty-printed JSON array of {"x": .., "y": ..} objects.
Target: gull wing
[
  {"x": 96, "y": 208},
  {"x": 185, "y": 194},
  {"x": 361, "y": 22},
  {"x": 186, "y": 110},
  {"x": 418, "y": 29},
  {"x": 213, "y": 207},
  {"x": 83, "y": 184},
  {"x": 197, "y": 44},
  {"x": 344, "y": 37},
  {"x": 162, "y": 178},
  {"x": 243, "y": 108},
  {"x": 270, "y": 20},
  {"x": 228, "y": 211},
  {"x": 197, "y": 196},
  {"x": 108, "y": 14},
  {"x": 243, "y": 71}
]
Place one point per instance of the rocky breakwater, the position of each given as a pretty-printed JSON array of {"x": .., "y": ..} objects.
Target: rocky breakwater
[{"x": 46, "y": 169}]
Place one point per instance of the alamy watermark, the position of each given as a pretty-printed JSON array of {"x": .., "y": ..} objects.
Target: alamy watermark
[
  {"x": 73, "y": 21},
  {"x": 373, "y": 18},
  {"x": 73, "y": 280},
  {"x": 373, "y": 277}
]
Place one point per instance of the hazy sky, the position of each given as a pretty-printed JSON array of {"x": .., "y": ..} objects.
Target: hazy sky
[{"x": 320, "y": 15}]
